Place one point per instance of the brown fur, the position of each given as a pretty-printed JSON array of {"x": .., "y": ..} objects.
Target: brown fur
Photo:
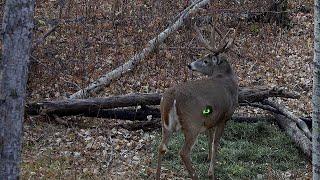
[{"x": 220, "y": 91}]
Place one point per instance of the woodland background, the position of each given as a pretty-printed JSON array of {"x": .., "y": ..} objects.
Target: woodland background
[{"x": 90, "y": 37}]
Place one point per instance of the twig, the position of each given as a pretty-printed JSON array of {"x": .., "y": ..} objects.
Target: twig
[
  {"x": 144, "y": 125},
  {"x": 109, "y": 162},
  {"x": 43, "y": 38}
]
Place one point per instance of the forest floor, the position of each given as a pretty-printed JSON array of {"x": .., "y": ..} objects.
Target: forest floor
[{"x": 97, "y": 36}]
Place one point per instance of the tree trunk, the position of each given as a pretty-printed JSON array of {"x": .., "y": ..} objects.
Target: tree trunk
[
  {"x": 17, "y": 30},
  {"x": 316, "y": 95}
]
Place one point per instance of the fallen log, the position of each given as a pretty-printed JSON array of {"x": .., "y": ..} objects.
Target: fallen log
[
  {"x": 284, "y": 111},
  {"x": 143, "y": 117},
  {"x": 296, "y": 135},
  {"x": 90, "y": 106},
  {"x": 147, "y": 113}
]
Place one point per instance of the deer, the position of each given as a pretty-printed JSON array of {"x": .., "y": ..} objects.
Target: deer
[{"x": 199, "y": 106}]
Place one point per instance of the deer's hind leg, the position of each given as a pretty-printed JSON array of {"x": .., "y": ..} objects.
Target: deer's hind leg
[
  {"x": 218, "y": 131},
  {"x": 190, "y": 138},
  {"x": 162, "y": 149}
]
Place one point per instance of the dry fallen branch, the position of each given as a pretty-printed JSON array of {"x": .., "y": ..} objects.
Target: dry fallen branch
[
  {"x": 86, "y": 106},
  {"x": 144, "y": 125},
  {"x": 137, "y": 58},
  {"x": 41, "y": 39},
  {"x": 283, "y": 110},
  {"x": 93, "y": 105},
  {"x": 295, "y": 134},
  {"x": 258, "y": 94}
]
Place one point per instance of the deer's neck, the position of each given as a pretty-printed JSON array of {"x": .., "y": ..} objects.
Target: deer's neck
[{"x": 224, "y": 71}]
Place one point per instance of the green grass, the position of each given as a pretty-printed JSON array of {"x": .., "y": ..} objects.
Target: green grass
[{"x": 247, "y": 149}]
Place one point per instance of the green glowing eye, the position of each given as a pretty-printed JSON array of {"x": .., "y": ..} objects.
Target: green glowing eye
[{"x": 207, "y": 111}]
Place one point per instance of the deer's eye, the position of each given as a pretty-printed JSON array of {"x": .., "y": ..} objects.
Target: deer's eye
[{"x": 205, "y": 61}]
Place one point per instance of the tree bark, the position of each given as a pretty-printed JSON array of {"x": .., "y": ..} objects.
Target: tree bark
[
  {"x": 137, "y": 58},
  {"x": 17, "y": 30},
  {"x": 86, "y": 106},
  {"x": 316, "y": 95}
]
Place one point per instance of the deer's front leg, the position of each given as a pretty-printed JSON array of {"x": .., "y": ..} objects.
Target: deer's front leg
[{"x": 210, "y": 134}]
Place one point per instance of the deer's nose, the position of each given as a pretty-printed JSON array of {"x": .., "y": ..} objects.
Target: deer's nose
[{"x": 189, "y": 66}]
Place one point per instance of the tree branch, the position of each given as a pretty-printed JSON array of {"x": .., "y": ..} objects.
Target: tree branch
[{"x": 137, "y": 58}]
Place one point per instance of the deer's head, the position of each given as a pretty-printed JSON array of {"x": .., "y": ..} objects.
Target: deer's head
[{"x": 213, "y": 62}]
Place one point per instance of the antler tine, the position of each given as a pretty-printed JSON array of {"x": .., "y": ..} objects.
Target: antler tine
[
  {"x": 224, "y": 47},
  {"x": 204, "y": 41},
  {"x": 213, "y": 32},
  {"x": 209, "y": 44}
]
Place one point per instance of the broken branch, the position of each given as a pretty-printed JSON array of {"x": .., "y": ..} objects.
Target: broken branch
[{"x": 137, "y": 58}]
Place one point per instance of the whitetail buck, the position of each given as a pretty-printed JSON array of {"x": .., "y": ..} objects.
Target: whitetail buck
[{"x": 200, "y": 105}]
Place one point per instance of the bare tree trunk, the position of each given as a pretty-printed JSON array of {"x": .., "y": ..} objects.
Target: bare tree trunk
[
  {"x": 17, "y": 30},
  {"x": 316, "y": 95}
]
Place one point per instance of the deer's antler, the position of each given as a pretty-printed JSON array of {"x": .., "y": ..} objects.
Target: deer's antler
[
  {"x": 209, "y": 45},
  {"x": 204, "y": 41}
]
